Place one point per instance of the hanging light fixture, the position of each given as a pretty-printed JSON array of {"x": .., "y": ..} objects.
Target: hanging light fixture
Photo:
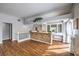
[{"x": 37, "y": 19}]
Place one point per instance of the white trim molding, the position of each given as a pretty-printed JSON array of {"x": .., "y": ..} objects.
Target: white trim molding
[
  {"x": 1, "y": 42},
  {"x": 23, "y": 39},
  {"x": 42, "y": 41}
]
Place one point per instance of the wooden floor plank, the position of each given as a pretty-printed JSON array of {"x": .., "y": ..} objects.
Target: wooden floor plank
[{"x": 33, "y": 48}]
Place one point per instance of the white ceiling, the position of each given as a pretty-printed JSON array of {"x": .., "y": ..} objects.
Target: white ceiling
[{"x": 30, "y": 9}]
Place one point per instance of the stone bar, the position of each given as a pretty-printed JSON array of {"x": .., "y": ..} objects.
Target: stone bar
[{"x": 44, "y": 37}]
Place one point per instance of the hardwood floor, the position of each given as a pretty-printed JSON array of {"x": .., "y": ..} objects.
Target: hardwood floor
[{"x": 33, "y": 48}]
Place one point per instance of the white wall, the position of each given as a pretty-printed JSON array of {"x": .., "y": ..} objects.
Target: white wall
[
  {"x": 76, "y": 10},
  {"x": 74, "y": 41},
  {"x": 16, "y": 26},
  {"x": 0, "y": 32}
]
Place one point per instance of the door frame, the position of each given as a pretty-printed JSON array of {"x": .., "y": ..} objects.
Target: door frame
[{"x": 10, "y": 28}]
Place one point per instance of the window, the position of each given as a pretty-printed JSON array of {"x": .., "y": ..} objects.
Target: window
[
  {"x": 55, "y": 28},
  {"x": 48, "y": 28},
  {"x": 60, "y": 28}
]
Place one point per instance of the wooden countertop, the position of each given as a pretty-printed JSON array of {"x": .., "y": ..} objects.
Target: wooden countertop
[{"x": 40, "y": 32}]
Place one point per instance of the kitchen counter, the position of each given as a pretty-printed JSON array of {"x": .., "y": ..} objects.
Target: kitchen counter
[
  {"x": 44, "y": 37},
  {"x": 40, "y": 32}
]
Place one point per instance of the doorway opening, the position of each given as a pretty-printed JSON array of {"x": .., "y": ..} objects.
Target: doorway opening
[
  {"x": 69, "y": 32},
  {"x": 7, "y": 31}
]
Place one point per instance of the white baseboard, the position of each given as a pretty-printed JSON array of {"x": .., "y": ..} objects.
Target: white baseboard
[
  {"x": 23, "y": 40},
  {"x": 41, "y": 41},
  {"x": 14, "y": 40}
]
